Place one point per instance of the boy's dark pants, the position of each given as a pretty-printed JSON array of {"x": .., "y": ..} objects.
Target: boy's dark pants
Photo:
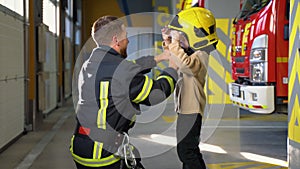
[{"x": 188, "y": 138}]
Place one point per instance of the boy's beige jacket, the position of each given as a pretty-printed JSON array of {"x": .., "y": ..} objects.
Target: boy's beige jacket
[{"x": 189, "y": 92}]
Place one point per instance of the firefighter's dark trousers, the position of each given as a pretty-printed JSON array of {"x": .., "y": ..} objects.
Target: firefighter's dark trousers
[{"x": 188, "y": 138}]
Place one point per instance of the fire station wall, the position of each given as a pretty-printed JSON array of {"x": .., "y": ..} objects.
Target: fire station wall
[
  {"x": 12, "y": 78},
  {"x": 93, "y": 9},
  {"x": 221, "y": 9}
]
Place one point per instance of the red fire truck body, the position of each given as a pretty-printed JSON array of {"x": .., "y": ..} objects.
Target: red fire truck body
[{"x": 259, "y": 56}]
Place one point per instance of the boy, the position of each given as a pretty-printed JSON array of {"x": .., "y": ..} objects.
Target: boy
[{"x": 190, "y": 38}]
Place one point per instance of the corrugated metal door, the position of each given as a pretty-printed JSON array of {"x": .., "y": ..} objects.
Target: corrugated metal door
[
  {"x": 48, "y": 89},
  {"x": 11, "y": 78}
]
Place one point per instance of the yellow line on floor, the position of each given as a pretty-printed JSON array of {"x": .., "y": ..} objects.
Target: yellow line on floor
[
  {"x": 270, "y": 117},
  {"x": 244, "y": 165},
  {"x": 169, "y": 119}
]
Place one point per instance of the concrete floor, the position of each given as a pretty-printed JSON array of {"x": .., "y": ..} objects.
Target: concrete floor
[{"x": 250, "y": 142}]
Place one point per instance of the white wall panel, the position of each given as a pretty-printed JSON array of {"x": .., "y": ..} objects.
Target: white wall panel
[
  {"x": 11, "y": 110},
  {"x": 11, "y": 47},
  {"x": 48, "y": 76},
  {"x": 11, "y": 78},
  {"x": 52, "y": 86},
  {"x": 67, "y": 66}
]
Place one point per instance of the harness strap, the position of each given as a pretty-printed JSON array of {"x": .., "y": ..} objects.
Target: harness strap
[{"x": 111, "y": 140}]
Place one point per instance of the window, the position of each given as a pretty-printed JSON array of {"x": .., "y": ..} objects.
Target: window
[
  {"x": 252, "y": 6},
  {"x": 14, "y": 5},
  {"x": 49, "y": 15}
]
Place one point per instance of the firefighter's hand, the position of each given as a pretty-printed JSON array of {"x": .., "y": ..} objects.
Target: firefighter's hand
[
  {"x": 172, "y": 64},
  {"x": 175, "y": 35},
  {"x": 163, "y": 56},
  {"x": 179, "y": 37}
]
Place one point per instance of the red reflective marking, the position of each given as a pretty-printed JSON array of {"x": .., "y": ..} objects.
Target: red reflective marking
[
  {"x": 257, "y": 106},
  {"x": 84, "y": 130}
]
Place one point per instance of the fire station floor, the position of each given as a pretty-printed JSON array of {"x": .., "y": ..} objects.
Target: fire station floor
[{"x": 251, "y": 142}]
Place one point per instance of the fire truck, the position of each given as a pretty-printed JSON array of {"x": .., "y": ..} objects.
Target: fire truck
[{"x": 259, "y": 56}]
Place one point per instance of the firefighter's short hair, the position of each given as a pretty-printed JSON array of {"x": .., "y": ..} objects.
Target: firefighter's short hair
[{"x": 105, "y": 28}]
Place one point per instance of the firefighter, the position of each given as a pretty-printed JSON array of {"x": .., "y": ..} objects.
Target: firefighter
[
  {"x": 110, "y": 90},
  {"x": 190, "y": 37}
]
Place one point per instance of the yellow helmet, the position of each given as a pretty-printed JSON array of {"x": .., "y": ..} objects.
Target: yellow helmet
[{"x": 199, "y": 26}]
